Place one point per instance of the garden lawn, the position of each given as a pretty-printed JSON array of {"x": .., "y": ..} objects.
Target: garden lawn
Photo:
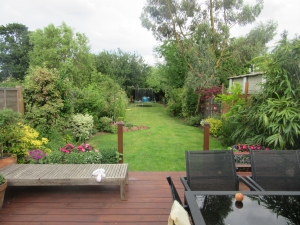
[{"x": 161, "y": 147}]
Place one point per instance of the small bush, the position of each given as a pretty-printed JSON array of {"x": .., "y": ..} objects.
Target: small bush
[
  {"x": 194, "y": 120},
  {"x": 110, "y": 156},
  {"x": 82, "y": 126},
  {"x": 104, "y": 124},
  {"x": 225, "y": 134},
  {"x": 215, "y": 126},
  {"x": 129, "y": 125}
]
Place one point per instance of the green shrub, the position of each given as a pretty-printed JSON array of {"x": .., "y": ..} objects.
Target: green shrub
[
  {"x": 2, "y": 179},
  {"x": 105, "y": 124},
  {"x": 17, "y": 138},
  {"x": 225, "y": 134},
  {"x": 82, "y": 126},
  {"x": 110, "y": 156},
  {"x": 194, "y": 120},
  {"x": 26, "y": 138},
  {"x": 113, "y": 129},
  {"x": 9, "y": 120},
  {"x": 215, "y": 126},
  {"x": 189, "y": 102},
  {"x": 43, "y": 95},
  {"x": 129, "y": 125},
  {"x": 174, "y": 108},
  {"x": 174, "y": 104}
]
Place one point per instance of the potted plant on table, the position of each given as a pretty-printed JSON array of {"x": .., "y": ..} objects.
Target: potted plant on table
[{"x": 3, "y": 185}]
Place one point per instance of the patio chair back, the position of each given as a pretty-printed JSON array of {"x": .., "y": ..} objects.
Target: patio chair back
[
  {"x": 174, "y": 192},
  {"x": 276, "y": 170},
  {"x": 212, "y": 170}
]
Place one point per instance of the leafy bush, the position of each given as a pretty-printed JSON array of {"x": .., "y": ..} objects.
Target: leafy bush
[
  {"x": 225, "y": 134},
  {"x": 233, "y": 99},
  {"x": 110, "y": 156},
  {"x": 17, "y": 138},
  {"x": 82, "y": 126},
  {"x": 129, "y": 125},
  {"x": 174, "y": 108},
  {"x": 194, "y": 120},
  {"x": 9, "y": 120},
  {"x": 43, "y": 91},
  {"x": 174, "y": 104},
  {"x": 215, "y": 126},
  {"x": 27, "y": 138},
  {"x": 105, "y": 123},
  {"x": 2, "y": 179},
  {"x": 57, "y": 138},
  {"x": 189, "y": 102}
]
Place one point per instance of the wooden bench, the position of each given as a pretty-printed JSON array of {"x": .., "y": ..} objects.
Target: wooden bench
[{"x": 66, "y": 174}]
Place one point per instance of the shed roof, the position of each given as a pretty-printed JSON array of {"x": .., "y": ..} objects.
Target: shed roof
[{"x": 247, "y": 75}]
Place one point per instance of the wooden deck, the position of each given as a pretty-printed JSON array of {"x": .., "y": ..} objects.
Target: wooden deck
[{"x": 149, "y": 203}]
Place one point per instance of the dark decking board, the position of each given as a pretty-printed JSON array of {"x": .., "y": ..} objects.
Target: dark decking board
[{"x": 149, "y": 203}]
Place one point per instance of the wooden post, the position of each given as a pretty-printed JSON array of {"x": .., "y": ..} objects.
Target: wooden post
[
  {"x": 206, "y": 136},
  {"x": 246, "y": 91},
  {"x": 120, "y": 140},
  {"x": 20, "y": 100}
]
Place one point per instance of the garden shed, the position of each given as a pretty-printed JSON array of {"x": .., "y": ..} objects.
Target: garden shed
[{"x": 250, "y": 82}]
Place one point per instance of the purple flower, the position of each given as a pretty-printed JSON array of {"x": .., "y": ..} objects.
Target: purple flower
[{"x": 35, "y": 155}]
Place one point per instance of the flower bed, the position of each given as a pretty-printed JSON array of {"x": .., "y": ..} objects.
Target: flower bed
[
  {"x": 70, "y": 154},
  {"x": 242, "y": 156}
]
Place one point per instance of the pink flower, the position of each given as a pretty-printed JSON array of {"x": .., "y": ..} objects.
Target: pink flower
[
  {"x": 65, "y": 150},
  {"x": 81, "y": 148},
  {"x": 69, "y": 146},
  {"x": 88, "y": 147}
]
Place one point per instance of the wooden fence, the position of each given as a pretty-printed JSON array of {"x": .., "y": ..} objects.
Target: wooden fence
[{"x": 12, "y": 98}]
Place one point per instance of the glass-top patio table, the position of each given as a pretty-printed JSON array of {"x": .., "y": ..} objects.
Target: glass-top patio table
[{"x": 257, "y": 208}]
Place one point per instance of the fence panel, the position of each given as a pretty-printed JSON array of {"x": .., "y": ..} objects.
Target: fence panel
[{"x": 12, "y": 98}]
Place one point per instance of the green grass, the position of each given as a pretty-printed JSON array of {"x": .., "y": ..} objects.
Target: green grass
[{"x": 160, "y": 148}]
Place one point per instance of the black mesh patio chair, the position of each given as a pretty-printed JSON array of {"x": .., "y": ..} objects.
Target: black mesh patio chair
[
  {"x": 174, "y": 193},
  {"x": 275, "y": 170},
  {"x": 212, "y": 170}
]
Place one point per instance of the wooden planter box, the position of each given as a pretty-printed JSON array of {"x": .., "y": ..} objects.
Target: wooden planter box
[{"x": 246, "y": 166}]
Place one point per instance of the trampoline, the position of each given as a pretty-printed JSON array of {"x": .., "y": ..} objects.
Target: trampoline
[{"x": 144, "y": 97}]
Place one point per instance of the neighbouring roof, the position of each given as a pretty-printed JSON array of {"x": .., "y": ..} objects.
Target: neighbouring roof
[{"x": 247, "y": 75}]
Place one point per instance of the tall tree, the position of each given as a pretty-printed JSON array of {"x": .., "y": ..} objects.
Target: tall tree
[
  {"x": 201, "y": 32},
  {"x": 14, "y": 49},
  {"x": 126, "y": 68},
  {"x": 62, "y": 49},
  {"x": 240, "y": 52},
  {"x": 198, "y": 26}
]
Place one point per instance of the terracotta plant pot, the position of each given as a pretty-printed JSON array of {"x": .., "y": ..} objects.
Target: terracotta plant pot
[
  {"x": 8, "y": 160},
  {"x": 2, "y": 193}
]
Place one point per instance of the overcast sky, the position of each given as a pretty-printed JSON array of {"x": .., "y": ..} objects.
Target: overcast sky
[{"x": 113, "y": 24}]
